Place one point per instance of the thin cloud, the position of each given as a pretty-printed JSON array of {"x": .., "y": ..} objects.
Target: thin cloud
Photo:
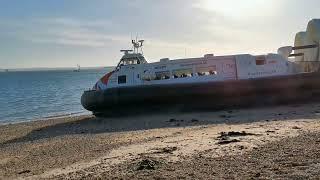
[
  {"x": 97, "y": 29},
  {"x": 64, "y": 31}
]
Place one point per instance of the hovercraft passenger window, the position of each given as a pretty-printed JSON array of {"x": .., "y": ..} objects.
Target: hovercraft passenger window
[
  {"x": 182, "y": 73},
  {"x": 207, "y": 71},
  {"x": 162, "y": 75},
  {"x": 122, "y": 79},
  {"x": 260, "y": 60}
]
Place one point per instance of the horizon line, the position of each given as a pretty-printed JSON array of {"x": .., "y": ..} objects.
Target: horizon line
[{"x": 51, "y": 68}]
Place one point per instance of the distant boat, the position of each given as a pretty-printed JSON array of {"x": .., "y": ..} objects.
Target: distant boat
[
  {"x": 78, "y": 68},
  {"x": 6, "y": 70}
]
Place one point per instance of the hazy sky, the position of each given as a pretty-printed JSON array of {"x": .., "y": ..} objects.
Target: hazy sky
[{"x": 63, "y": 33}]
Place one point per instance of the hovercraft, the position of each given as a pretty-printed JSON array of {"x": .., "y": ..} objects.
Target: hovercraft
[{"x": 211, "y": 81}]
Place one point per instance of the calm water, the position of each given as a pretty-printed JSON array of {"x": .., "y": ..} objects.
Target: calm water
[{"x": 39, "y": 94}]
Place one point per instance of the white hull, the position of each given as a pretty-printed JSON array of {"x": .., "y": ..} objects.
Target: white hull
[{"x": 197, "y": 70}]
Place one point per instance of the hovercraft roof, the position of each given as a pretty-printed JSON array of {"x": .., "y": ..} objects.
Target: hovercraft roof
[{"x": 129, "y": 58}]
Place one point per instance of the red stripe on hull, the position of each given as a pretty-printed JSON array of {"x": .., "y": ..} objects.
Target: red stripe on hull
[{"x": 106, "y": 77}]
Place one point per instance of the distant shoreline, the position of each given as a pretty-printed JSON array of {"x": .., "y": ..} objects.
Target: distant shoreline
[{"x": 53, "y": 69}]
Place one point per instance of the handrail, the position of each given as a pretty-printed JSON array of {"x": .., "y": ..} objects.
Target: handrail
[
  {"x": 305, "y": 47},
  {"x": 297, "y": 54}
]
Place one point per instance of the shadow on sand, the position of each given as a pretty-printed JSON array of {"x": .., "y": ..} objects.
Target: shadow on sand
[{"x": 153, "y": 120}]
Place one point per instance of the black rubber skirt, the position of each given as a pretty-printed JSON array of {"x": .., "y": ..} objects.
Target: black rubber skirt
[{"x": 213, "y": 95}]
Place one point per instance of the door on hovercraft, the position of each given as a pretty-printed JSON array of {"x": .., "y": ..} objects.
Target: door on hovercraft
[{"x": 125, "y": 76}]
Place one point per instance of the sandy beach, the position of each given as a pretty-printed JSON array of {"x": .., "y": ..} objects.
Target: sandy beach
[{"x": 279, "y": 142}]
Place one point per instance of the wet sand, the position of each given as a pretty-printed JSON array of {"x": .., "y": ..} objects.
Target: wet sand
[{"x": 272, "y": 142}]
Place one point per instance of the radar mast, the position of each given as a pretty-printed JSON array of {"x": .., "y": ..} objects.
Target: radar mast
[{"x": 137, "y": 45}]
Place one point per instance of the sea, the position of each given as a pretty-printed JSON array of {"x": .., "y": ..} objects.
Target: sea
[{"x": 42, "y": 94}]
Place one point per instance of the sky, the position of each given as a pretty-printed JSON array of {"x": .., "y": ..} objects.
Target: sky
[{"x": 64, "y": 33}]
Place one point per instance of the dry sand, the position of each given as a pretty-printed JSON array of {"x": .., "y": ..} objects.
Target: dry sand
[{"x": 272, "y": 142}]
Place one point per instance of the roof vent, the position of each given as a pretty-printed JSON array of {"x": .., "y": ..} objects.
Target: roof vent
[
  {"x": 208, "y": 55},
  {"x": 164, "y": 60}
]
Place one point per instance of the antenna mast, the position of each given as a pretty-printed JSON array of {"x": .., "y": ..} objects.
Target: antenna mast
[{"x": 137, "y": 45}]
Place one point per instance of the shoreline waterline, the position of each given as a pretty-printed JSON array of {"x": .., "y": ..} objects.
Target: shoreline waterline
[{"x": 45, "y": 118}]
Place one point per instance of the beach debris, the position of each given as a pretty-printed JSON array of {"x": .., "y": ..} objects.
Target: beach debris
[
  {"x": 172, "y": 120},
  {"x": 177, "y": 133},
  {"x": 175, "y": 120},
  {"x": 257, "y": 175},
  {"x": 147, "y": 164},
  {"x": 222, "y": 142},
  {"x": 166, "y": 150},
  {"x": 194, "y": 120},
  {"x": 225, "y": 116},
  {"x": 225, "y": 137},
  {"x": 296, "y": 127},
  {"x": 24, "y": 172},
  {"x": 270, "y": 131},
  {"x": 235, "y": 134}
]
